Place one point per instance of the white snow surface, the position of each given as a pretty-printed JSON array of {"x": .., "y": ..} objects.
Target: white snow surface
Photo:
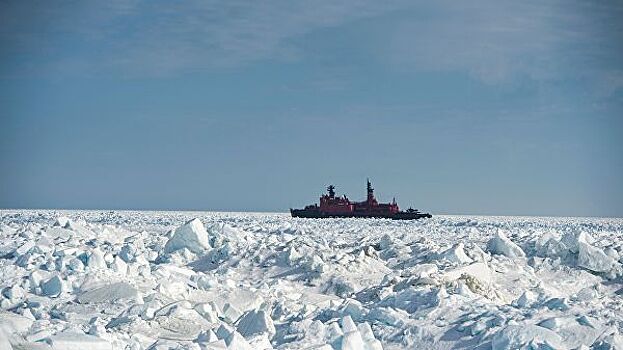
[{"x": 197, "y": 280}]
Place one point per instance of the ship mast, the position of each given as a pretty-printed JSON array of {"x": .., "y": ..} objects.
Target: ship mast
[
  {"x": 331, "y": 190},
  {"x": 370, "y": 191}
]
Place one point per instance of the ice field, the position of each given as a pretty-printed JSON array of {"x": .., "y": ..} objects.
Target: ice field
[{"x": 194, "y": 280}]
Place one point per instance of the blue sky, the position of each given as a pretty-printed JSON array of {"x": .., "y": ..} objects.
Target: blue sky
[{"x": 481, "y": 107}]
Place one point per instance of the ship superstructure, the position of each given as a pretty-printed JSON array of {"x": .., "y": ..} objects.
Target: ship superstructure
[{"x": 334, "y": 206}]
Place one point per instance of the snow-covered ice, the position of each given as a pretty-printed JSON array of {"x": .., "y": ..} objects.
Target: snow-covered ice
[{"x": 193, "y": 280}]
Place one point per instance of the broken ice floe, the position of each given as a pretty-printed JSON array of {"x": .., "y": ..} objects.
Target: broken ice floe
[{"x": 136, "y": 280}]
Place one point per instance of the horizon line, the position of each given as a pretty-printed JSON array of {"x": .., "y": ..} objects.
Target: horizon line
[{"x": 284, "y": 212}]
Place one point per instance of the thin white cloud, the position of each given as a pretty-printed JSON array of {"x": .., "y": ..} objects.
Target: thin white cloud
[
  {"x": 497, "y": 41},
  {"x": 155, "y": 37},
  {"x": 494, "y": 41}
]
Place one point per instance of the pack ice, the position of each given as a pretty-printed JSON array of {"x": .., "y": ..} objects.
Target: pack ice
[{"x": 190, "y": 280}]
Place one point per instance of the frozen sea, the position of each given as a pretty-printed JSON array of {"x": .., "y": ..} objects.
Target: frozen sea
[{"x": 207, "y": 280}]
